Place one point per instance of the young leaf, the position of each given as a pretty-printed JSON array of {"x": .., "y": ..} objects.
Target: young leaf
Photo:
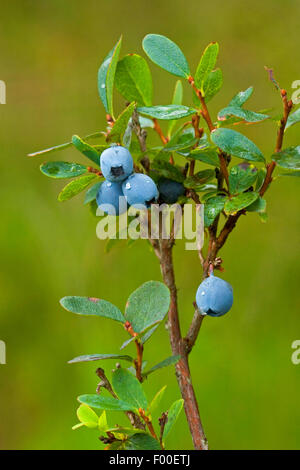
[
  {"x": 105, "y": 403},
  {"x": 129, "y": 389},
  {"x": 63, "y": 146},
  {"x": 147, "y": 305},
  {"x": 168, "y": 112},
  {"x": 205, "y": 155},
  {"x": 86, "y": 149},
  {"x": 212, "y": 208},
  {"x": 192, "y": 182},
  {"x": 207, "y": 64},
  {"x": 92, "y": 306},
  {"x": 76, "y": 186},
  {"x": 133, "y": 79},
  {"x": 288, "y": 158},
  {"x": 212, "y": 84},
  {"x": 106, "y": 76},
  {"x": 166, "y": 362},
  {"x": 121, "y": 124},
  {"x": 177, "y": 99},
  {"x": 173, "y": 414},
  {"x": 241, "y": 177},
  {"x": 92, "y": 192},
  {"x": 98, "y": 357},
  {"x": 166, "y": 54},
  {"x": 87, "y": 416},
  {"x": 62, "y": 169},
  {"x": 156, "y": 400},
  {"x": 102, "y": 422},
  {"x": 141, "y": 441},
  {"x": 293, "y": 119},
  {"x": 241, "y": 97},
  {"x": 258, "y": 206},
  {"x": 236, "y": 144},
  {"x": 241, "y": 201},
  {"x": 248, "y": 116},
  {"x": 261, "y": 174}
]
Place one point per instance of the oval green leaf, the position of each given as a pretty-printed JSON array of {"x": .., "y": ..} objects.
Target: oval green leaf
[
  {"x": 147, "y": 305},
  {"x": 212, "y": 208},
  {"x": 86, "y": 149},
  {"x": 173, "y": 414},
  {"x": 168, "y": 112},
  {"x": 241, "y": 177},
  {"x": 99, "y": 357},
  {"x": 236, "y": 144},
  {"x": 106, "y": 76},
  {"x": 129, "y": 389},
  {"x": 241, "y": 201},
  {"x": 76, "y": 187},
  {"x": 133, "y": 79},
  {"x": 105, "y": 403},
  {"x": 288, "y": 158},
  {"x": 92, "y": 306},
  {"x": 62, "y": 169}
]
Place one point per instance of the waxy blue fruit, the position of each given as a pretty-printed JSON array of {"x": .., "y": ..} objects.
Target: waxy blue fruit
[
  {"x": 140, "y": 189},
  {"x": 214, "y": 296},
  {"x": 169, "y": 190},
  {"x": 116, "y": 163},
  {"x": 110, "y": 198}
]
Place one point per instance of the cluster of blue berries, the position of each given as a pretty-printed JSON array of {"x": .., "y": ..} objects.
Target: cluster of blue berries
[
  {"x": 214, "y": 296},
  {"x": 122, "y": 187}
]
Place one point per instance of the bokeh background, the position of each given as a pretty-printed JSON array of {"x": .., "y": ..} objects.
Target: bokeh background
[{"x": 247, "y": 386}]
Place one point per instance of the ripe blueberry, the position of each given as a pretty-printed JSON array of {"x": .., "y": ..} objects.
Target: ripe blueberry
[
  {"x": 169, "y": 190},
  {"x": 116, "y": 163},
  {"x": 110, "y": 198},
  {"x": 214, "y": 296},
  {"x": 140, "y": 189}
]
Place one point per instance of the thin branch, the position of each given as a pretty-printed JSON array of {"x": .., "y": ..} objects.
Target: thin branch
[
  {"x": 90, "y": 169},
  {"x": 158, "y": 129},
  {"x": 194, "y": 329},
  {"x": 162, "y": 423},
  {"x": 148, "y": 423},
  {"x": 139, "y": 360}
]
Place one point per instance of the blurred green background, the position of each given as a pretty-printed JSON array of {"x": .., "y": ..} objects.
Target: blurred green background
[{"x": 247, "y": 386}]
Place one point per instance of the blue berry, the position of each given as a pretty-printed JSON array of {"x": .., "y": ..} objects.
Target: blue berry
[
  {"x": 214, "y": 296},
  {"x": 116, "y": 163},
  {"x": 108, "y": 198},
  {"x": 140, "y": 189},
  {"x": 169, "y": 190}
]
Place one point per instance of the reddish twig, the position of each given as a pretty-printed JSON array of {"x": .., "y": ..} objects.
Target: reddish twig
[
  {"x": 158, "y": 129},
  {"x": 90, "y": 169},
  {"x": 139, "y": 360}
]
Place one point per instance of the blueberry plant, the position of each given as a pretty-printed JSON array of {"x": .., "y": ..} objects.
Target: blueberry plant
[{"x": 196, "y": 162}]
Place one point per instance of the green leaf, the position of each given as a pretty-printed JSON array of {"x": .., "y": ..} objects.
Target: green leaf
[
  {"x": 129, "y": 389},
  {"x": 257, "y": 206},
  {"x": 212, "y": 208},
  {"x": 92, "y": 306},
  {"x": 62, "y": 169},
  {"x": 106, "y": 76},
  {"x": 167, "y": 170},
  {"x": 121, "y": 124},
  {"x": 177, "y": 99},
  {"x": 248, "y": 116},
  {"x": 156, "y": 400},
  {"x": 293, "y": 119},
  {"x": 166, "y": 362},
  {"x": 147, "y": 305},
  {"x": 288, "y": 158},
  {"x": 92, "y": 193},
  {"x": 207, "y": 64},
  {"x": 205, "y": 155},
  {"x": 291, "y": 173},
  {"x": 173, "y": 414},
  {"x": 261, "y": 174},
  {"x": 142, "y": 441},
  {"x": 133, "y": 79},
  {"x": 105, "y": 403},
  {"x": 76, "y": 186},
  {"x": 241, "y": 201},
  {"x": 212, "y": 84},
  {"x": 241, "y": 177},
  {"x": 87, "y": 416},
  {"x": 236, "y": 144},
  {"x": 86, "y": 149},
  {"x": 241, "y": 97},
  {"x": 166, "y": 54},
  {"x": 192, "y": 182},
  {"x": 98, "y": 357},
  {"x": 168, "y": 112},
  {"x": 102, "y": 422}
]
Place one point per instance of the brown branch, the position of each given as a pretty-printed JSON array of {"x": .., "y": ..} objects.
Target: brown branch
[
  {"x": 158, "y": 129},
  {"x": 148, "y": 423},
  {"x": 162, "y": 423},
  {"x": 194, "y": 329},
  {"x": 179, "y": 348},
  {"x": 139, "y": 360},
  {"x": 287, "y": 107}
]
